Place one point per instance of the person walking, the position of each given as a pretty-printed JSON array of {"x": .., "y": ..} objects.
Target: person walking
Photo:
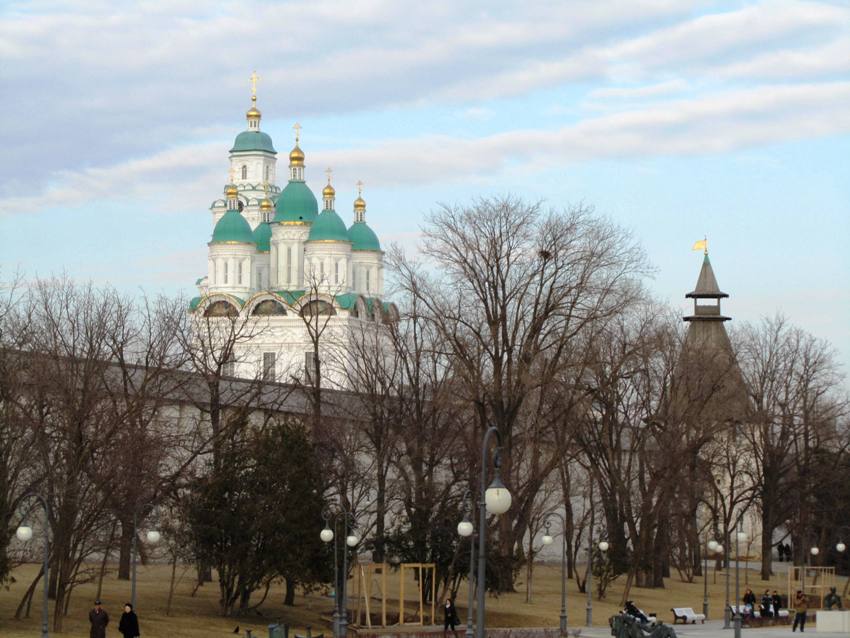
[
  {"x": 777, "y": 603},
  {"x": 128, "y": 626},
  {"x": 98, "y": 618},
  {"x": 449, "y": 617},
  {"x": 801, "y": 606}
]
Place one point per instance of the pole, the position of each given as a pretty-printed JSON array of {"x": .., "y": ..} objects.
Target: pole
[
  {"x": 335, "y": 620},
  {"x": 343, "y": 607},
  {"x": 46, "y": 567},
  {"x": 588, "y": 585},
  {"x": 133, "y": 565},
  {"x": 563, "y": 617},
  {"x": 481, "y": 582},
  {"x": 471, "y": 596},
  {"x": 726, "y": 610},
  {"x": 737, "y": 616},
  {"x": 705, "y": 579}
]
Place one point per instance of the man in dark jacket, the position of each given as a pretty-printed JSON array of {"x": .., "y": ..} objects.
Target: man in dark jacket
[
  {"x": 450, "y": 618},
  {"x": 128, "y": 626},
  {"x": 98, "y": 619}
]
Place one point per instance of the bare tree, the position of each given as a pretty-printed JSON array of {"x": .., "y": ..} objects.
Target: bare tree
[{"x": 510, "y": 290}]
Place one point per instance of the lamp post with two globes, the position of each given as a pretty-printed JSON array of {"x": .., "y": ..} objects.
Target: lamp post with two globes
[
  {"x": 548, "y": 540},
  {"x": 340, "y": 616},
  {"x": 24, "y": 533},
  {"x": 495, "y": 499}
]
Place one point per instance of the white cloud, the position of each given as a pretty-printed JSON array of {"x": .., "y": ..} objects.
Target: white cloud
[
  {"x": 706, "y": 125},
  {"x": 633, "y": 92}
]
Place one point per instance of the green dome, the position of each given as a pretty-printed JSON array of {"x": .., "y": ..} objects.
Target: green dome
[
  {"x": 362, "y": 237},
  {"x": 232, "y": 227},
  {"x": 253, "y": 141},
  {"x": 263, "y": 236},
  {"x": 328, "y": 227},
  {"x": 296, "y": 203}
]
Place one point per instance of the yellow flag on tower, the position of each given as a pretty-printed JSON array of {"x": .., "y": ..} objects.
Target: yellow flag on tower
[{"x": 702, "y": 244}]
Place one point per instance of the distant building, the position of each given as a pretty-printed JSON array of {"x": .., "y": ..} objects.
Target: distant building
[{"x": 275, "y": 260}]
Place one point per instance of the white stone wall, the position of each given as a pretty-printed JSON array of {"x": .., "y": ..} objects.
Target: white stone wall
[
  {"x": 327, "y": 265},
  {"x": 230, "y": 268}
]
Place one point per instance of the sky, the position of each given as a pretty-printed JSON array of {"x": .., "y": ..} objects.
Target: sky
[{"x": 676, "y": 119}]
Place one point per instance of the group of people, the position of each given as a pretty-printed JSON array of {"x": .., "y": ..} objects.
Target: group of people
[
  {"x": 128, "y": 626},
  {"x": 770, "y": 603},
  {"x": 784, "y": 551}
]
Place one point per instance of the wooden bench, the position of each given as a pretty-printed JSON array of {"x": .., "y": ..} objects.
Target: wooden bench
[{"x": 686, "y": 615}]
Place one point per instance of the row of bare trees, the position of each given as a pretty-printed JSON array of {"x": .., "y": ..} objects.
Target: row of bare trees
[{"x": 532, "y": 321}]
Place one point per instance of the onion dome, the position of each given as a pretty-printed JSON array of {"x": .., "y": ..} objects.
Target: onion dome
[
  {"x": 253, "y": 113},
  {"x": 296, "y": 204},
  {"x": 328, "y": 192},
  {"x": 296, "y": 156},
  {"x": 262, "y": 237},
  {"x": 231, "y": 192},
  {"x": 362, "y": 237},
  {"x": 328, "y": 227},
  {"x": 253, "y": 141},
  {"x": 232, "y": 228},
  {"x": 266, "y": 205}
]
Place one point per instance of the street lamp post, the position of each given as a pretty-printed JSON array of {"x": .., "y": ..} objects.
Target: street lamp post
[
  {"x": 711, "y": 546},
  {"x": 340, "y": 622},
  {"x": 603, "y": 547},
  {"x": 495, "y": 499},
  {"x": 739, "y": 536},
  {"x": 152, "y": 537},
  {"x": 465, "y": 529},
  {"x": 548, "y": 540},
  {"x": 24, "y": 533},
  {"x": 727, "y": 612}
]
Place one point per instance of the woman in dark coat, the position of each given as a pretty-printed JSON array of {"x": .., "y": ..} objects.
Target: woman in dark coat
[{"x": 129, "y": 624}]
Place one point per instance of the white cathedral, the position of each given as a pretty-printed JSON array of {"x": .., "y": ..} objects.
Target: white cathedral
[{"x": 275, "y": 260}]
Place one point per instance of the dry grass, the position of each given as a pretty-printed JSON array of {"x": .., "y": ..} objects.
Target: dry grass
[{"x": 197, "y": 617}]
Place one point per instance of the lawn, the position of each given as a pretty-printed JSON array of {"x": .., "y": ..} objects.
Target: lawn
[{"x": 197, "y": 617}]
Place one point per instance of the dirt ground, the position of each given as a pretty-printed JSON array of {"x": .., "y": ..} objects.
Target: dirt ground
[{"x": 198, "y": 617}]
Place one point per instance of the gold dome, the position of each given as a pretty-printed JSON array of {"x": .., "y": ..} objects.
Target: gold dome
[
  {"x": 231, "y": 191},
  {"x": 328, "y": 191},
  {"x": 359, "y": 204},
  {"x": 253, "y": 113},
  {"x": 266, "y": 204},
  {"x": 296, "y": 156}
]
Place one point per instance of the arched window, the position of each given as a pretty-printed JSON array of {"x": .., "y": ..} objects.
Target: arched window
[
  {"x": 368, "y": 281},
  {"x": 269, "y": 307},
  {"x": 226, "y": 274},
  {"x": 317, "y": 307},
  {"x": 221, "y": 309},
  {"x": 267, "y": 172},
  {"x": 336, "y": 272},
  {"x": 244, "y": 172},
  {"x": 289, "y": 264}
]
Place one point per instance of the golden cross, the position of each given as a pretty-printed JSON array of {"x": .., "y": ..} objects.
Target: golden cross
[
  {"x": 230, "y": 175},
  {"x": 359, "y": 188},
  {"x": 254, "y": 78},
  {"x": 329, "y": 171},
  {"x": 297, "y": 129}
]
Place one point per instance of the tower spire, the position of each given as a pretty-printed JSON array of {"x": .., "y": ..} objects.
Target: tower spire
[
  {"x": 253, "y": 115},
  {"x": 706, "y": 288},
  {"x": 328, "y": 192},
  {"x": 359, "y": 204},
  {"x": 296, "y": 157}
]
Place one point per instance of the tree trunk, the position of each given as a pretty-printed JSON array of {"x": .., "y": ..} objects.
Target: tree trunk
[
  {"x": 171, "y": 585},
  {"x": 289, "y": 599},
  {"x": 26, "y": 601},
  {"x": 125, "y": 550}
]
